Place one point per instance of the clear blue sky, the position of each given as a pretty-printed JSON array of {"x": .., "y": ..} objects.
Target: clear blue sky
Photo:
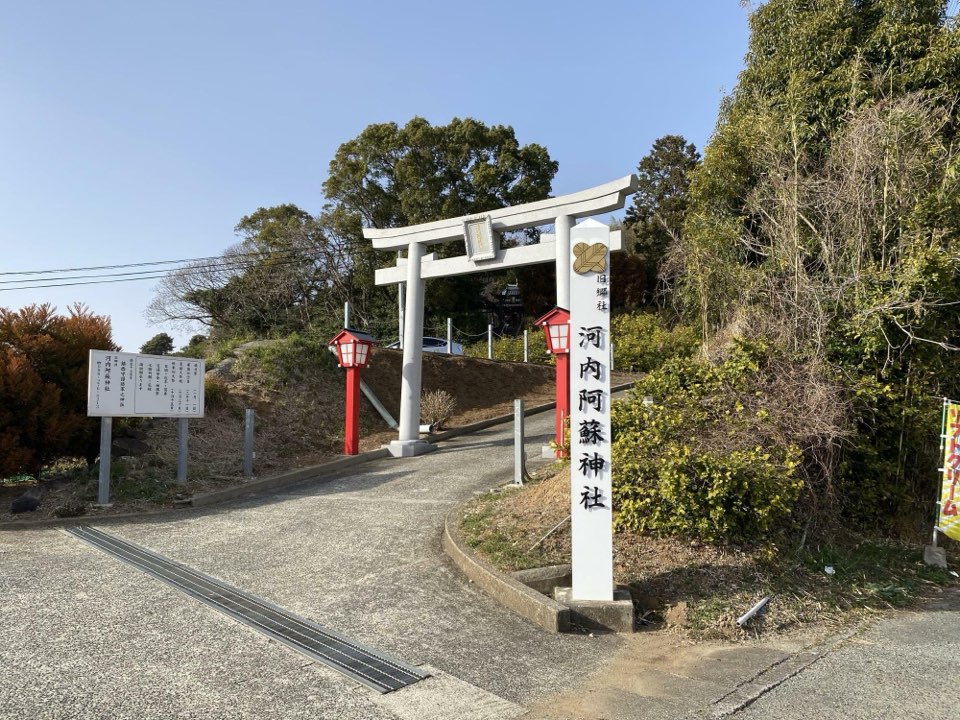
[{"x": 134, "y": 132}]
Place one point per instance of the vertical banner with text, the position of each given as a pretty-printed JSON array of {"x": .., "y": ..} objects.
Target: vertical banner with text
[
  {"x": 591, "y": 507},
  {"x": 948, "y": 521}
]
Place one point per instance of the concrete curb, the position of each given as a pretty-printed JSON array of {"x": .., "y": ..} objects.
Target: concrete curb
[
  {"x": 484, "y": 424},
  {"x": 526, "y": 602},
  {"x": 85, "y": 518},
  {"x": 263, "y": 485}
]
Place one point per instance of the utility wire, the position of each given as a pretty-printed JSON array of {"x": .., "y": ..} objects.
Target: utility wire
[
  {"x": 89, "y": 282},
  {"x": 122, "y": 266},
  {"x": 236, "y": 263},
  {"x": 108, "y": 267},
  {"x": 229, "y": 264}
]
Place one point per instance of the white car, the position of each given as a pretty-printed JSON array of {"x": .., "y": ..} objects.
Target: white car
[{"x": 432, "y": 344}]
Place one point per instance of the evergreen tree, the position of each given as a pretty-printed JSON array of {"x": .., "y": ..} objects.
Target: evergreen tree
[
  {"x": 392, "y": 176},
  {"x": 159, "y": 344},
  {"x": 656, "y": 215}
]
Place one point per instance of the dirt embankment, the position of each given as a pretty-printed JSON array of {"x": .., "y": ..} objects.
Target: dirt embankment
[
  {"x": 480, "y": 388},
  {"x": 299, "y": 422}
]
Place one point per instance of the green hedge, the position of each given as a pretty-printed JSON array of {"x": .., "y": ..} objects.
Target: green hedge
[
  {"x": 642, "y": 342},
  {"x": 511, "y": 348},
  {"x": 694, "y": 461}
]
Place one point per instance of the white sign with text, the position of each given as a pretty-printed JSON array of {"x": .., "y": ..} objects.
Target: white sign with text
[
  {"x": 591, "y": 506},
  {"x": 132, "y": 385}
]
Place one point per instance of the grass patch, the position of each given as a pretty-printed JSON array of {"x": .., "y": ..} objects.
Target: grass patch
[
  {"x": 869, "y": 576},
  {"x": 490, "y": 527},
  {"x": 702, "y": 589}
]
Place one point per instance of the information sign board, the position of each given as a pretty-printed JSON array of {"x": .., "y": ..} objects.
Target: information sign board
[{"x": 132, "y": 385}]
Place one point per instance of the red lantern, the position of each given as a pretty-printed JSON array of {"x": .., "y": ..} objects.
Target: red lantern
[
  {"x": 353, "y": 353},
  {"x": 556, "y": 330}
]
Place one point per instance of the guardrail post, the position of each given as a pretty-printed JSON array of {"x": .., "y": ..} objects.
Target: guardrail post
[
  {"x": 248, "y": 443},
  {"x": 519, "y": 455}
]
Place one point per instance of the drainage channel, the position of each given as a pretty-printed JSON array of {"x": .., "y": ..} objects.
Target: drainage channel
[{"x": 363, "y": 664}]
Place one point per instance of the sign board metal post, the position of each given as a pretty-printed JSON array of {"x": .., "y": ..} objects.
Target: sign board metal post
[
  {"x": 106, "y": 440},
  {"x": 123, "y": 384},
  {"x": 591, "y": 506},
  {"x": 182, "y": 439}
]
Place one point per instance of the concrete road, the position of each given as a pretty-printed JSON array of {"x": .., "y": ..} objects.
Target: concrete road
[
  {"x": 903, "y": 668},
  {"x": 85, "y": 636}
]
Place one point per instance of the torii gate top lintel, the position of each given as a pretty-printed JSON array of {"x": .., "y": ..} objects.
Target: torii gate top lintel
[{"x": 592, "y": 201}]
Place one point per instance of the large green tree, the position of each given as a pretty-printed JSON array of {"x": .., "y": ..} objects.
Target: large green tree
[
  {"x": 392, "y": 176},
  {"x": 825, "y": 217}
]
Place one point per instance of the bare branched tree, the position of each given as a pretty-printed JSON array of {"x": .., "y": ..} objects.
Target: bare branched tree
[{"x": 286, "y": 278}]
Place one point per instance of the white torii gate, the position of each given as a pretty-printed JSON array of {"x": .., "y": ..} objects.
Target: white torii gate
[{"x": 417, "y": 266}]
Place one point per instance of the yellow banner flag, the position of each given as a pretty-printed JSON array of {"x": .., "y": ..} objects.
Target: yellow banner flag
[{"x": 949, "y": 520}]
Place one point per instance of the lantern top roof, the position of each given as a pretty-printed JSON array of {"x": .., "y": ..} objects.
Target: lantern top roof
[
  {"x": 348, "y": 334},
  {"x": 557, "y": 315}
]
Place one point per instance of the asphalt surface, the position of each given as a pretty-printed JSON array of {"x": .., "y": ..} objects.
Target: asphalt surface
[
  {"x": 85, "y": 636},
  {"x": 88, "y": 637},
  {"x": 904, "y": 667}
]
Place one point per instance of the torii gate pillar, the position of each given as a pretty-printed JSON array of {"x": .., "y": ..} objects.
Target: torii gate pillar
[
  {"x": 409, "y": 442},
  {"x": 561, "y": 211}
]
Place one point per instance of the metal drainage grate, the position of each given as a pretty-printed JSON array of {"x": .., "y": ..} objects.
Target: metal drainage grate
[{"x": 364, "y": 665}]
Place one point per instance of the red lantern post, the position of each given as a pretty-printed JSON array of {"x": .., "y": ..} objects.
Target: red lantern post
[
  {"x": 556, "y": 330},
  {"x": 353, "y": 353}
]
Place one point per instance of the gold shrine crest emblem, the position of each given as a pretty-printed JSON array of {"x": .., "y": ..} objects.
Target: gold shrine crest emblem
[{"x": 589, "y": 258}]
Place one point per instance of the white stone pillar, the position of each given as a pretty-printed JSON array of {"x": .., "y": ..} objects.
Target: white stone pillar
[
  {"x": 408, "y": 442},
  {"x": 562, "y": 228}
]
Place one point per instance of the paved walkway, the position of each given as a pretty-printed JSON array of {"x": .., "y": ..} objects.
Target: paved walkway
[{"x": 84, "y": 636}]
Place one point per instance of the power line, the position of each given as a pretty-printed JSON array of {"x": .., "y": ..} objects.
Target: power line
[
  {"x": 228, "y": 263},
  {"x": 108, "y": 267},
  {"x": 89, "y": 282},
  {"x": 233, "y": 264},
  {"x": 123, "y": 266}
]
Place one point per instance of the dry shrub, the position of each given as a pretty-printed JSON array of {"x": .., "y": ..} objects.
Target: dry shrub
[{"x": 436, "y": 408}]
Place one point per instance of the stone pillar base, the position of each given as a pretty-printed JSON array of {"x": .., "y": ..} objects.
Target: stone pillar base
[
  {"x": 615, "y": 615},
  {"x": 409, "y": 448}
]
